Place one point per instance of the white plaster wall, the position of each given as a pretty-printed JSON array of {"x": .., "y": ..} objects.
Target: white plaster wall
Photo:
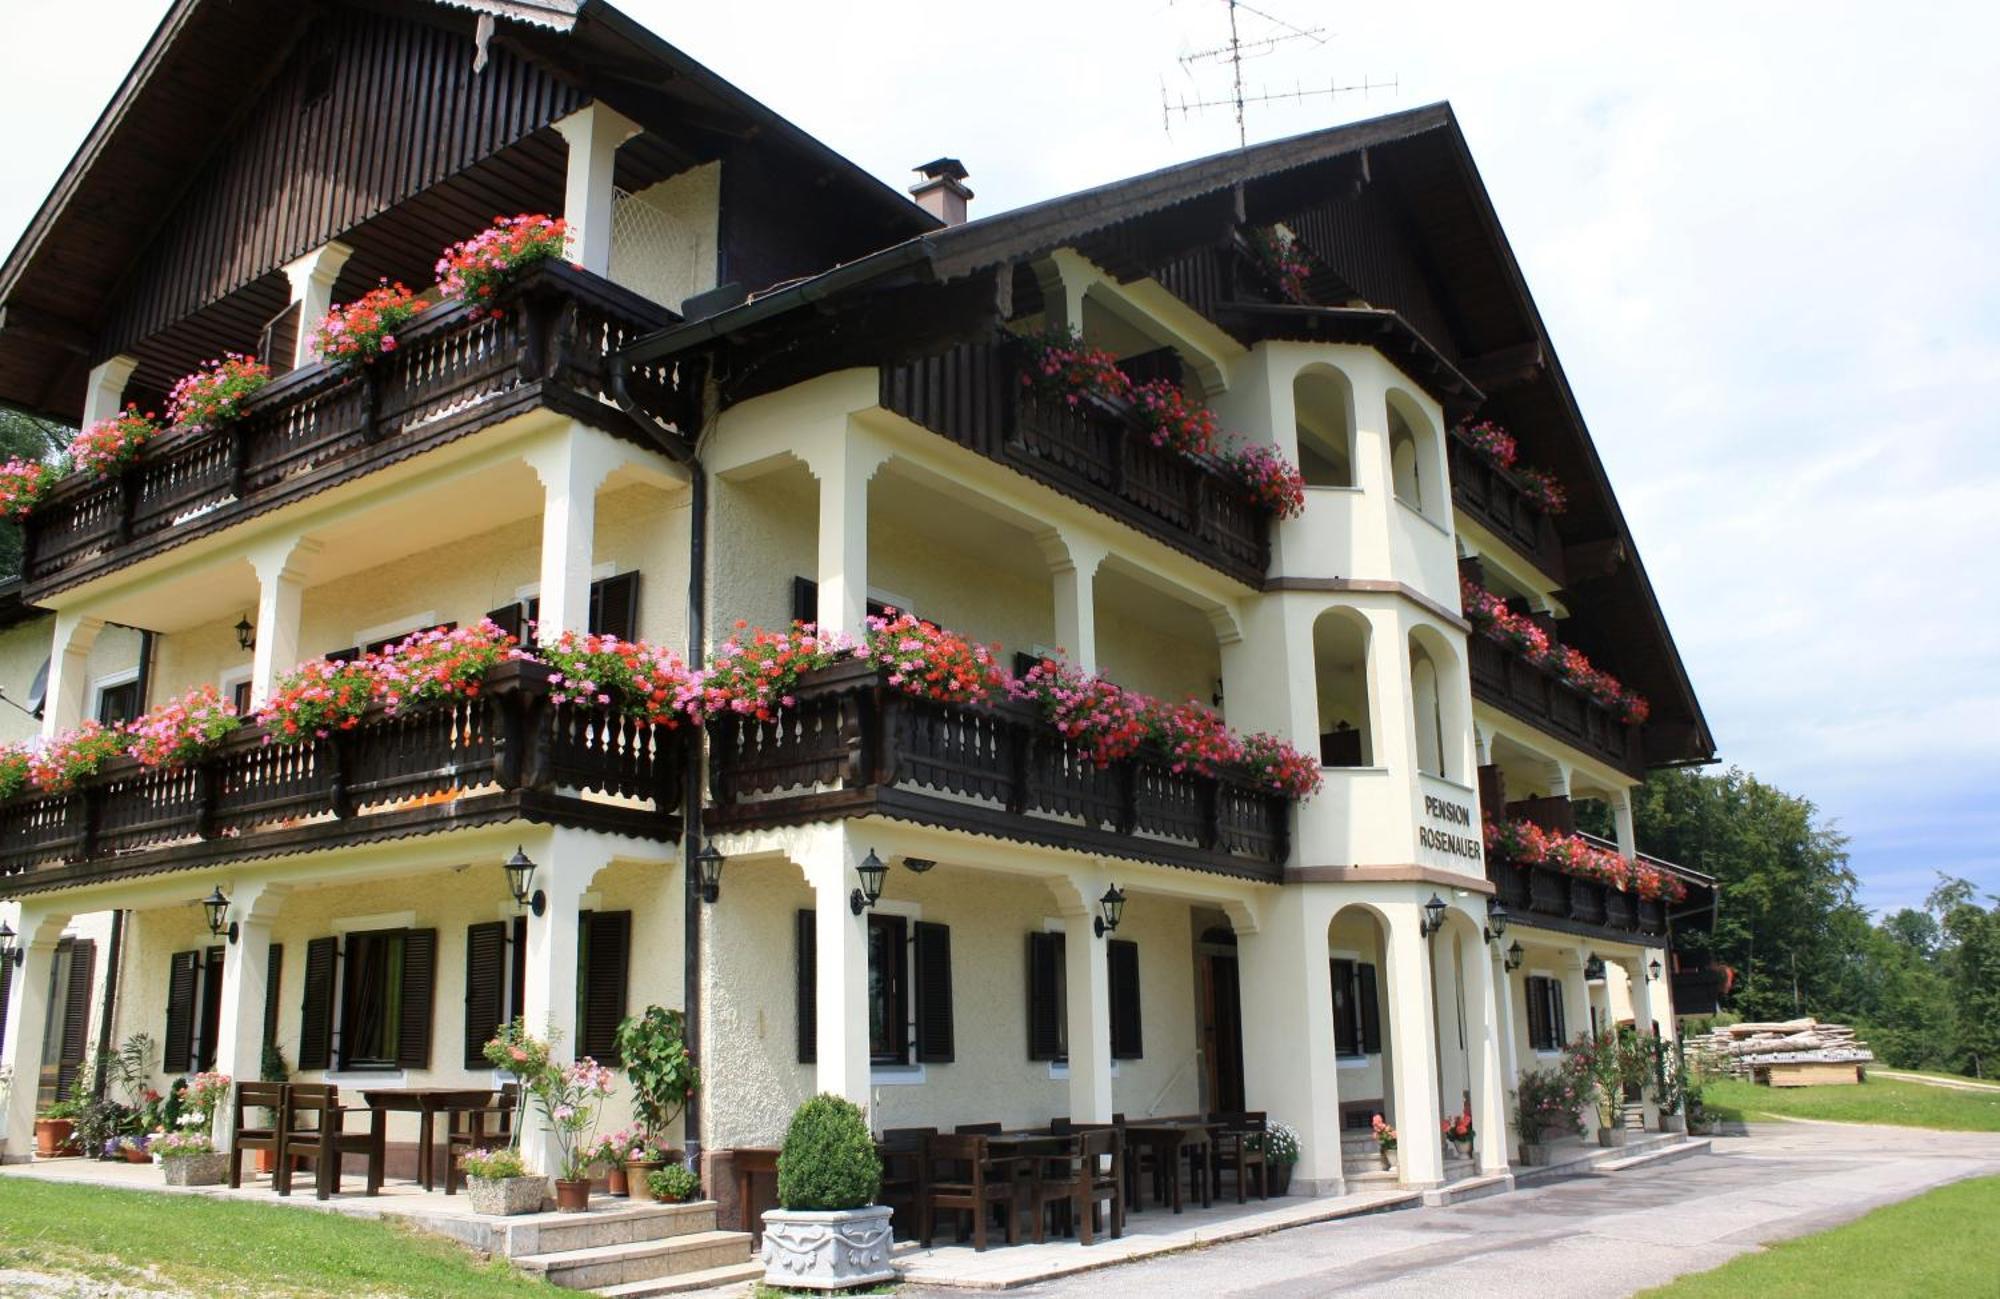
[
  {"x": 24, "y": 647},
  {"x": 668, "y": 250}
]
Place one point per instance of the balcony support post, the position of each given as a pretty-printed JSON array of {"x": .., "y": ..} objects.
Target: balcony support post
[
  {"x": 572, "y": 465},
  {"x": 27, "y": 1025},
  {"x": 1073, "y": 578},
  {"x": 281, "y": 584},
  {"x": 69, "y": 671},
  {"x": 245, "y": 977},
  {"x": 1507, "y": 1026},
  {"x": 1288, "y": 1049},
  {"x": 1488, "y": 1030},
  {"x": 1410, "y": 1002},
  {"x": 569, "y": 860},
  {"x": 1087, "y": 983},
  {"x": 830, "y": 857},
  {"x": 1628, "y": 835},
  {"x": 593, "y": 134},
  {"x": 312, "y": 277},
  {"x": 845, "y": 465},
  {"x": 104, "y": 389}
]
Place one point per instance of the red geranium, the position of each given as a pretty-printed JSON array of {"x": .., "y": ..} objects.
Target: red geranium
[{"x": 364, "y": 329}]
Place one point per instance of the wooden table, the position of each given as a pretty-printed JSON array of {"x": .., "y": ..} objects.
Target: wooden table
[
  {"x": 1167, "y": 1141},
  {"x": 426, "y": 1103}
]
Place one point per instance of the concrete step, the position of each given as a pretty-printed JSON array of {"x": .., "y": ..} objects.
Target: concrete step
[
  {"x": 611, "y": 1221},
  {"x": 1470, "y": 1188},
  {"x": 706, "y": 1279},
  {"x": 607, "y": 1265}
]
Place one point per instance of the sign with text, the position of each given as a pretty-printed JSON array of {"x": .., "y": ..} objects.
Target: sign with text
[{"x": 1449, "y": 832}]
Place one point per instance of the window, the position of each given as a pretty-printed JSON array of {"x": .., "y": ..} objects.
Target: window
[
  {"x": 888, "y": 990},
  {"x": 1545, "y": 1013},
  {"x": 1048, "y": 999},
  {"x": 371, "y": 1008},
  {"x": 603, "y": 960},
  {"x": 367, "y": 1003},
  {"x": 66, "y": 1029},
  {"x": 239, "y": 696},
  {"x": 496, "y": 976},
  {"x": 909, "y": 990},
  {"x": 1357, "y": 1010},
  {"x": 118, "y": 703},
  {"x": 614, "y": 609}
]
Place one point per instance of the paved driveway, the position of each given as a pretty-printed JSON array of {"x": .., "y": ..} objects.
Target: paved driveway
[{"x": 1591, "y": 1237}]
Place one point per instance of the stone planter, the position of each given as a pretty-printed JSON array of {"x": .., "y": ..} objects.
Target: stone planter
[
  {"x": 1614, "y": 1138},
  {"x": 503, "y": 1197},
  {"x": 52, "y": 1136},
  {"x": 1536, "y": 1155},
  {"x": 196, "y": 1170},
  {"x": 832, "y": 1250},
  {"x": 1281, "y": 1178},
  {"x": 573, "y": 1195},
  {"x": 1674, "y": 1123}
]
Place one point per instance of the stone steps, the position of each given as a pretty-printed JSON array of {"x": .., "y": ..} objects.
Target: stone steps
[
  {"x": 706, "y": 1279},
  {"x": 627, "y": 1262},
  {"x": 611, "y": 1221}
]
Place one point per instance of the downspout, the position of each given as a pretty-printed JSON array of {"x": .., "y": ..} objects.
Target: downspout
[
  {"x": 683, "y": 452},
  {"x": 115, "y": 948}
]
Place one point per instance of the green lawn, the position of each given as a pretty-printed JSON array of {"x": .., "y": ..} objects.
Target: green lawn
[
  {"x": 1926, "y": 1246},
  {"x": 1882, "y": 1100},
  {"x": 228, "y": 1247}
]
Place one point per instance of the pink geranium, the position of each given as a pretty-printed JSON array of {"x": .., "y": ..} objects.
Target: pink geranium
[
  {"x": 110, "y": 444},
  {"x": 476, "y": 270}
]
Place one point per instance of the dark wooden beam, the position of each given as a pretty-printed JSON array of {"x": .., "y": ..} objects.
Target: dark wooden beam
[
  {"x": 46, "y": 327},
  {"x": 1586, "y": 561},
  {"x": 1506, "y": 367}
]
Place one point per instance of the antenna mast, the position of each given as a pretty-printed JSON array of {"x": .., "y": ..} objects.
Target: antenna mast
[{"x": 1233, "y": 53}]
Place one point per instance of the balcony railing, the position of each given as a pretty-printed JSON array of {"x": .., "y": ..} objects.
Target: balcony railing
[
  {"x": 854, "y": 746},
  {"x": 1539, "y": 895},
  {"x": 308, "y": 430},
  {"x": 1092, "y": 451},
  {"x": 1508, "y": 681},
  {"x": 1499, "y": 501},
  {"x": 509, "y": 753}
]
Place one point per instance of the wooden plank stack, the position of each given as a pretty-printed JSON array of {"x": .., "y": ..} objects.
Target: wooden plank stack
[{"x": 1795, "y": 1053}]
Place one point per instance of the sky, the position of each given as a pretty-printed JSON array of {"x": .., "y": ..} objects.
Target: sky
[{"x": 1762, "y": 238}]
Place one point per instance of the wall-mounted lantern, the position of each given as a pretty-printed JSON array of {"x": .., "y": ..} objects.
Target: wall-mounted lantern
[
  {"x": 708, "y": 864},
  {"x": 1433, "y": 917},
  {"x": 219, "y": 923},
  {"x": 1496, "y": 920},
  {"x": 520, "y": 878},
  {"x": 1111, "y": 910},
  {"x": 873, "y": 873},
  {"x": 246, "y": 635}
]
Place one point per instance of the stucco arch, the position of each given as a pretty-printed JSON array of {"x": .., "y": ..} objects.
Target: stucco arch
[
  {"x": 1440, "y": 705},
  {"x": 1416, "y": 460},
  {"x": 1323, "y": 410},
  {"x": 1345, "y": 688}
]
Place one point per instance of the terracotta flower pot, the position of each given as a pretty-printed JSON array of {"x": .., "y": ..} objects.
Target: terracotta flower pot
[
  {"x": 635, "y": 1178},
  {"x": 135, "y": 1154},
  {"x": 573, "y": 1195},
  {"x": 52, "y": 1136},
  {"x": 614, "y": 1180},
  {"x": 267, "y": 1161}
]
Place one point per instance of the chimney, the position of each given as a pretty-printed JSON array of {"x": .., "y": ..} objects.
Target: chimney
[{"x": 942, "y": 191}]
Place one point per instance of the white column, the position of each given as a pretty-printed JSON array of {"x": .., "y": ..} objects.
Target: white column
[
  {"x": 572, "y": 466},
  {"x": 1640, "y": 981},
  {"x": 245, "y": 987},
  {"x": 568, "y": 860},
  {"x": 1628, "y": 835},
  {"x": 1087, "y": 981},
  {"x": 1488, "y": 1029},
  {"x": 844, "y": 471},
  {"x": 104, "y": 389},
  {"x": 281, "y": 585},
  {"x": 69, "y": 671},
  {"x": 1454, "y": 1073},
  {"x": 1510, "y": 1055},
  {"x": 1420, "y": 1145},
  {"x": 27, "y": 1025},
  {"x": 1289, "y": 1068},
  {"x": 1073, "y": 583},
  {"x": 1576, "y": 1016},
  {"x": 312, "y": 278},
  {"x": 593, "y": 134},
  {"x": 841, "y": 973}
]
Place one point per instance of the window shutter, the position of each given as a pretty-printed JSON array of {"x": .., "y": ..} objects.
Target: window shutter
[
  {"x": 1127, "y": 1040},
  {"x": 1559, "y": 1031},
  {"x": 274, "y": 969},
  {"x": 614, "y": 606},
  {"x": 518, "y": 992},
  {"x": 413, "y": 1034},
  {"x": 208, "y": 1009},
  {"x": 805, "y": 953},
  {"x": 76, "y": 1015},
  {"x": 1371, "y": 1009},
  {"x": 1346, "y": 1027},
  {"x": 316, "y": 1010},
  {"x": 608, "y": 941},
  {"x": 805, "y": 600},
  {"x": 1045, "y": 954},
  {"x": 177, "y": 1048},
  {"x": 934, "y": 1035},
  {"x": 512, "y": 619},
  {"x": 6, "y": 996},
  {"x": 348, "y": 655},
  {"x": 1538, "y": 1013},
  {"x": 485, "y": 988}
]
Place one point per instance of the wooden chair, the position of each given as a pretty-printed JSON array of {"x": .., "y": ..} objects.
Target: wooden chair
[
  {"x": 902, "y": 1151},
  {"x": 977, "y": 1130},
  {"x": 961, "y": 1175},
  {"x": 325, "y": 1139},
  {"x": 467, "y": 1132},
  {"x": 1093, "y": 1171},
  {"x": 1239, "y": 1145},
  {"x": 250, "y": 1096}
]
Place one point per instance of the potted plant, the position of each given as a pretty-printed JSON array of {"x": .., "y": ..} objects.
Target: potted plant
[
  {"x": 1458, "y": 1132},
  {"x": 827, "y": 1232},
  {"x": 98, "y": 1126},
  {"x": 1596, "y": 1061},
  {"x": 1385, "y": 1142},
  {"x": 642, "y": 1159},
  {"x": 188, "y": 1155},
  {"x": 653, "y": 1047},
  {"x": 497, "y": 1183},
  {"x": 674, "y": 1184},
  {"x": 1281, "y": 1152},
  {"x": 1545, "y": 1101},
  {"x": 55, "y": 1128},
  {"x": 568, "y": 1096},
  {"x": 610, "y": 1155},
  {"x": 133, "y": 1148}
]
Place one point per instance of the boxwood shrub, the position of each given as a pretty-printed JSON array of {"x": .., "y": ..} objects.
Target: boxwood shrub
[{"x": 829, "y": 1160}]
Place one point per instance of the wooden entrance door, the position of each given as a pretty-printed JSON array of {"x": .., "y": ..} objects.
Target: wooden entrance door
[{"x": 1221, "y": 1033}]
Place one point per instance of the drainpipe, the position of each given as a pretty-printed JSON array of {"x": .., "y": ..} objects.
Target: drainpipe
[{"x": 682, "y": 451}]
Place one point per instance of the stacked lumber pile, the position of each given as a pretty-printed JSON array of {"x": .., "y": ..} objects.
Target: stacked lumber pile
[{"x": 1795, "y": 1052}]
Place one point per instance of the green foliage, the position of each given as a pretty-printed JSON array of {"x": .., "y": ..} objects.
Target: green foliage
[
  {"x": 673, "y": 1184},
  {"x": 662, "y": 1073},
  {"x": 1880, "y": 1100},
  {"x": 829, "y": 1159},
  {"x": 495, "y": 1165},
  {"x": 31, "y": 439},
  {"x": 63, "y": 1109}
]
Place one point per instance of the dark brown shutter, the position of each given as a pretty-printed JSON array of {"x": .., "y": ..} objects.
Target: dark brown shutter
[
  {"x": 1346, "y": 1039},
  {"x": 805, "y": 600},
  {"x": 316, "y": 1010},
  {"x": 485, "y": 987},
  {"x": 1558, "y": 1029},
  {"x": 6, "y": 996},
  {"x": 934, "y": 1035},
  {"x": 1538, "y": 1007},
  {"x": 274, "y": 969},
  {"x": 607, "y": 937},
  {"x": 1045, "y": 955},
  {"x": 512, "y": 619},
  {"x": 1371, "y": 1008},
  {"x": 518, "y": 991},
  {"x": 1127, "y": 1040},
  {"x": 177, "y": 1046},
  {"x": 208, "y": 1015},
  {"x": 413, "y": 1034},
  {"x": 614, "y": 606},
  {"x": 76, "y": 1015},
  {"x": 805, "y": 955}
]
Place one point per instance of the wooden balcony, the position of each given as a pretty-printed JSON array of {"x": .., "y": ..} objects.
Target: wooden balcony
[
  {"x": 509, "y": 754},
  {"x": 1498, "y": 501},
  {"x": 1534, "y": 694},
  {"x": 1092, "y": 451},
  {"x": 1549, "y": 899},
  {"x": 308, "y": 430},
  {"x": 854, "y": 746}
]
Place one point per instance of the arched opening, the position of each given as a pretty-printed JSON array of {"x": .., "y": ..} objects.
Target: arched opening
[
  {"x": 1426, "y": 701},
  {"x": 1415, "y": 465},
  {"x": 1322, "y": 406},
  {"x": 1340, "y": 666},
  {"x": 1357, "y": 962},
  {"x": 1403, "y": 462}
]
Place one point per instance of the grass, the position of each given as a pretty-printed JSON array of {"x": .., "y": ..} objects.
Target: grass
[
  {"x": 199, "y": 1245},
  {"x": 1922, "y": 1246},
  {"x": 1881, "y": 1100}
]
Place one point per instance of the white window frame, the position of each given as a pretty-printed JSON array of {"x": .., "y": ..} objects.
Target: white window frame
[
  {"x": 109, "y": 681},
  {"x": 343, "y": 926},
  {"x": 396, "y": 628},
  {"x": 1059, "y": 1069},
  {"x": 1365, "y": 1059},
  {"x": 911, "y": 1073}
]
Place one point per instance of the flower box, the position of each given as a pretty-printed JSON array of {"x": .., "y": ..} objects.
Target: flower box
[
  {"x": 835, "y": 1249},
  {"x": 504, "y": 1197},
  {"x": 206, "y": 1169}
]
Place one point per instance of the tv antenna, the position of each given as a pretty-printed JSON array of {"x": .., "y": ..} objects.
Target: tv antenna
[{"x": 1280, "y": 32}]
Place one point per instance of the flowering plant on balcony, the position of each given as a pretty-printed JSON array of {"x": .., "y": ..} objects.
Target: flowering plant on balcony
[
  {"x": 1490, "y": 615},
  {"x": 1060, "y": 366},
  {"x": 1273, "y": 763},
  {"x": 214, "y": 394},
  {"x": 109, "y": 444},
  {"x": 23, "y": 483},
  {"x": 1171, "y": 420},
  {"x": 359, "y": 331},
  {"x": 438, "y": 663},
  {"x": 476, "y": 270},
  {"x": 1106, "y": 719},
  {"x": 316, "y": 699},
  {"x": 1526, "y": 844},
  {"x": 16, "y": 767},
  {"x": 646, "y": 681},
  {"x": 1385, "y": 1134},
  {"x": 67, "y": 758},
  {"x": 756, "y": 677},
  {"x": 1194, "y": 737},
  {"x": 181, "y": 730},
  {"x": 1495, "y": 445},
  {"x": 1266, "y": 477},
  {"x": 925, "y": 660},
  {"x": 1651, "y": 883},
  {"x": 1284, "y": 260},
  {"x": 1542, "y": 490}
]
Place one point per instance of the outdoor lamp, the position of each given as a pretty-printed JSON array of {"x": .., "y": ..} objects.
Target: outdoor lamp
[
  {"x": 1496, "y": 920},
  {"x": 1593, "y": 969},
  {"x": 9, "y": 954},
  {"x": 1515, "y": 955},
  {"x": 520, "y": 876},
  {"x": 919, "y": 864},
  {"x": 1112, "y": 904},
  {"x": 1655, "y": 968},
  {"x": 1433, "y": 917},
  {"x": 246, "y": 635},
  {"x": 872, "y": 873},
  {"x": 218, "y": 914},
  {"x": 708, "y": 866}
]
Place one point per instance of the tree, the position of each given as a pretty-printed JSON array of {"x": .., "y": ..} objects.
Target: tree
[
  {"x": 30, "y": 438},
  {"x": 1968, "y": 961}
]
